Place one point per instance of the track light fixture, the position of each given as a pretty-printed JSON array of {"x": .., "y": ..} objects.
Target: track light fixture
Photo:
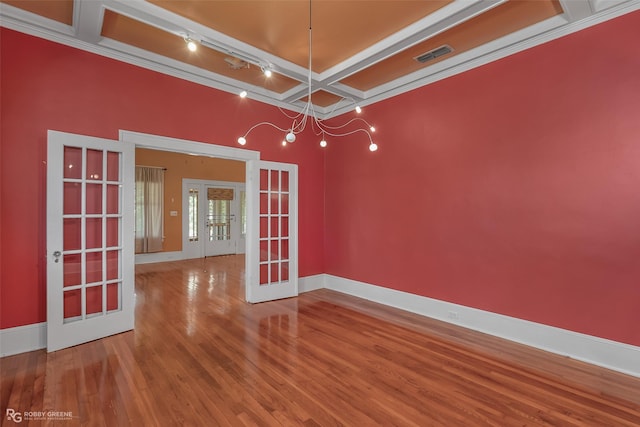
[
  {"x": 308, "y": 115},
  {"x": 191, "y": 44}
]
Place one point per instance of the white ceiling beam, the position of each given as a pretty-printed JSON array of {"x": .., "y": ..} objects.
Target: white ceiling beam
[
  {"x": 576, "y": 10},
  {"x": 87, "y": 20}
]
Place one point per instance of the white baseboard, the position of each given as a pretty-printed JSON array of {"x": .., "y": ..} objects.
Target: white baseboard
[
  {"x": 597, "y": 351},
  {"x": 158, "y": 257},
  {"x": 311, "y": 283},
  {"x": 23, "y": 338},
  {"x": 609, "y": 354}
]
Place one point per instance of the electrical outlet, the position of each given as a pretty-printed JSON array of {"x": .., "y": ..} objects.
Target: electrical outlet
[{"x": 453, "y": 315}]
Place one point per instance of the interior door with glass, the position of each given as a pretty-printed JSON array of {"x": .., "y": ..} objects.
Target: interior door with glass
[
  {"x": 90, "y": 245},
  {"x": 272, "y": 252},
  {"x": 215, "y": 218},
  {"x": 221, "y": 221}
]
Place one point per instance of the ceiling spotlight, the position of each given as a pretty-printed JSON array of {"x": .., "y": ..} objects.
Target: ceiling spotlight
[
  {"x": 191, "y": 45},
  {"x": 267, "y": 72},
  {"x": 358, "y": 109},
  {"x": 243, "y": 94},
  {"x": 323, "y": 143}
]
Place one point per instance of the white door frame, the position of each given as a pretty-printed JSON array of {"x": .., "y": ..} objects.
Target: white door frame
[
  {"x": 198, "y": 249},
  {"x": 164, "y": 143}
]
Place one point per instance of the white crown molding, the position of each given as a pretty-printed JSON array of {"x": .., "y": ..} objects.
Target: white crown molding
[{"x": 573, "y": 20}]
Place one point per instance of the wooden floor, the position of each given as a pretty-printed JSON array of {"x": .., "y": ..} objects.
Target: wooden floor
[{"x": 201, "y": 356}]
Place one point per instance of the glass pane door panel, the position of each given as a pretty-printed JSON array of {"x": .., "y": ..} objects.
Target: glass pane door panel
[
  {"x": 113, "y": 232},
  {"x": 113, "y": 265},
  {"x": 72, "y": 163},
  {"x": 94, "y": 299},
  {"x": 113, "y": 166},
  {"x": 264, "y": 203},
  {"x": 264, "y": 180},
  {"x": 284, "y": 248},
  {"x": 275, "y": 202},
  {"x": 264, "y": 274},
  {"x": 94, "y": 199},
  {"x": 284, "y": 180},
  {"x": 72, "y": 270},
  {"x": 72, "y": 198},
  {"x": 275, "y": 251},
  {"x": 94, "y": 233},
  {"x": 275, "y": 181},
  {"x": 94, "y": 165},
  {"x": 285, "y": 271},
  {"x": 72, "y": 301},
  {"x": 264, "y": 227},
  {"x": 284, "y": 199},
  {"x": 113, "y": 199},
  {"x": 275, "y": 276},
  {"x": 71, "y": 233},
  {"x": 275, "y": 227},
  {"x": 264, "y": 250},
  {"x": 113, "y": 296},
  {"x": 284, "y": 226},
  {"x": 94, "y": 267}
]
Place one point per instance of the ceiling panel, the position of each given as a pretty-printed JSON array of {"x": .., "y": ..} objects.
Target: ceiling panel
[
  {"x": 340, "y": 28},
  {"x": 491, "y": 25},
  {"x": 135, "y": 33},
  {"x": 58, "y": 10}
]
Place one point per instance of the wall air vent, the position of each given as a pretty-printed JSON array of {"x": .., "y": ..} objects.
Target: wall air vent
[{"x": 433, "y": 54}]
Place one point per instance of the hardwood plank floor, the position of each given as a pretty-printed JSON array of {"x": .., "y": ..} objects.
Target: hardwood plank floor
[{"x": 201, "y": 356}]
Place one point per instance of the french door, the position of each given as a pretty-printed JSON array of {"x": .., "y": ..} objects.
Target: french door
[
  {"x": 215, "y": 218},
  {"x": 90, "y": 238},
  {"x": 272, "y": 252}
]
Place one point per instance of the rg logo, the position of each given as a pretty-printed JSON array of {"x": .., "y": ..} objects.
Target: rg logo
[{"x": 14, "y": 416}]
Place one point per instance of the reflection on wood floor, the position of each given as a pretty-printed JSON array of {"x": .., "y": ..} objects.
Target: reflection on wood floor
[{"x": 201, "y": 356}]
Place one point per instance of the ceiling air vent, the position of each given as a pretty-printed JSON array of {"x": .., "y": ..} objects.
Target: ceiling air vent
[{"x": 433, "y": 54}]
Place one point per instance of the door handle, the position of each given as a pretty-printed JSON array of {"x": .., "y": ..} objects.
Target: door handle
[{"x": 57, "y": 254}]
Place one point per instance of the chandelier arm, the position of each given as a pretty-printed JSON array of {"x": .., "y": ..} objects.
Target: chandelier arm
[
  {"x": 264, "y": 123},
  {"x": 351, "y": 133},
  {"x": 347, "y": 123}
]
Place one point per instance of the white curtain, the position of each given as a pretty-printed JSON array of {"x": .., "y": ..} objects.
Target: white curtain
[{"x": 149, "y": 209}]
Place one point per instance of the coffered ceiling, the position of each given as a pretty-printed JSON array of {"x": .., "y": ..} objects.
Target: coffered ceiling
[{"x": 362, "y": 51}]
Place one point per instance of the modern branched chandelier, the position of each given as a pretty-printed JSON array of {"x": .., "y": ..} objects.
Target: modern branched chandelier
[{"x": 308, "y": 116}]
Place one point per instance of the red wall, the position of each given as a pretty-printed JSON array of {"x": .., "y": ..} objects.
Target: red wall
[
  {"x": 50, "y": 86},
  {"x": 513, "y": 188}
]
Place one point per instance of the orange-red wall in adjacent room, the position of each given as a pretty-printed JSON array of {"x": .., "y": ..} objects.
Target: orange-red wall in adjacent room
[
  {"x": 179, "y": 166},
  {"x": 46, "y": 85},
  {"x": 513, "y": 188}
]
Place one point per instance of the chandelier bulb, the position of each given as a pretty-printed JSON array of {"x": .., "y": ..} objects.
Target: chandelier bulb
[
  {"x": 373, "y": 146},
  {"x": 372, "y": 129},
  {"x": 242, "y": 140},
  {"x": 323, "y": 143},
  {"x": 290, "y": 137}
]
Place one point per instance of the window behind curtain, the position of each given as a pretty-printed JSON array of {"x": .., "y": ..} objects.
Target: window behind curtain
[{"x": 149, "y": 209}]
